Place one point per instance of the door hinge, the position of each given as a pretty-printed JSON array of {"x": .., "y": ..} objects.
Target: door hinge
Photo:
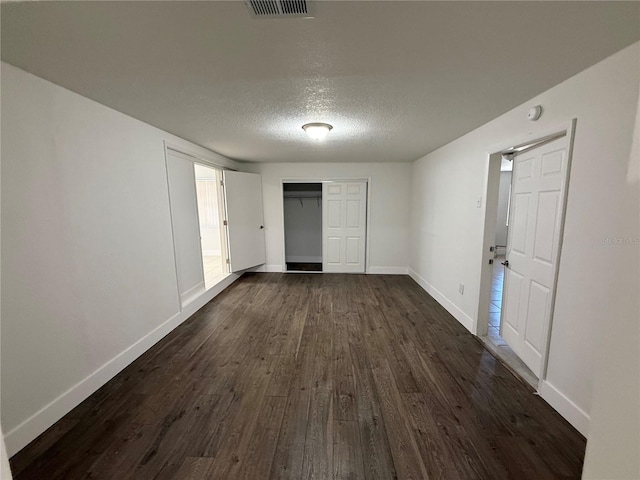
[
  {"x": 228, "y": 261},
  {"x": 224, "y": 222},
  {"x": 221, "y": 183}
]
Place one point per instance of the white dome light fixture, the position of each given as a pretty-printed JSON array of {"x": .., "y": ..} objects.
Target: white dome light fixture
[{"x": 317, "y": 131}]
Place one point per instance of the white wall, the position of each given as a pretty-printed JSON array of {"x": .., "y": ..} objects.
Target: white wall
[
  {"x": 389, "y": 208},
  {"x": 88, "y": 271},
  {"x": 447, "y": 228},
  {"x": 614, "y": 433},
  {"x": 503, "y": 203}
]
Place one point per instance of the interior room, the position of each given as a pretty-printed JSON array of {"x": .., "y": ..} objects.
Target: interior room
[{"x": 365, "y": 240}]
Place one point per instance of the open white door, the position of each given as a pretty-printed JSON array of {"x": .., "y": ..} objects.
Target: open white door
[
  {"x": 186, "y": 231},
  {"x": 535, "y": 226},
  {"x": 344, "y": 222},
  {"x": 245, "y": 224}
]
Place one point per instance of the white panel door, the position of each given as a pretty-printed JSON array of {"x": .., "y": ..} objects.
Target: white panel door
[
  {"x": 245, "y": 224},
  {"x": 535, "y": 224},
  {"x": 344, "y": 222},
  {"x": 186, "y": 228}
]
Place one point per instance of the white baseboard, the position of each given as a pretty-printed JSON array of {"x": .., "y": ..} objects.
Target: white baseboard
[
  {"x": 463, "y": 318},
  {"x": 32, "y": 427},
  {"x": 565, "y": 407},
  {"x": 269, "y": 268},
  {"x": 192, "y": 294},
  {"x": 388, "y": 270}
]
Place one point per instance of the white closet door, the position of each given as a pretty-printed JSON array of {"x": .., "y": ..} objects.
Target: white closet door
[
  {"x": 344, "y": 217},
  {"x": 245, "y": 224},
  {"x": 186, "y": 229}
]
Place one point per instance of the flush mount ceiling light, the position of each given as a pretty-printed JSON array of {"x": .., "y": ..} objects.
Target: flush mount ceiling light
[{"x": 317, "y": 131}]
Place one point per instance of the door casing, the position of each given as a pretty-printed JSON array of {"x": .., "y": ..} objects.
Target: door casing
[
  {"x": 196, "y": 158},
  {"x": 494, "y": 159}
]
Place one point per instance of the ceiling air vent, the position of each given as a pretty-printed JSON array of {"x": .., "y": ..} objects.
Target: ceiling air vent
[{"x": 279, "y": 8}]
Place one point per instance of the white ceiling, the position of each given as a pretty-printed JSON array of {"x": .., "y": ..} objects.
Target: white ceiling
[{"x": 395, "y": 79}]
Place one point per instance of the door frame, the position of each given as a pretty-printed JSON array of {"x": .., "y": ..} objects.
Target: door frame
[
  {"x": 196, "y": 157},
  {"x": 367, "y": 180},
  {"x": 492, "y": 183},
  {"x": 222, "y": 216}
]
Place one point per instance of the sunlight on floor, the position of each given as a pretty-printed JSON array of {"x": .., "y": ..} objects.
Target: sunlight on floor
[{"x": 213, "y": 270}]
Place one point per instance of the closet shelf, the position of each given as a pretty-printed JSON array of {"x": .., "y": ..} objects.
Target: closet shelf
[{"x": 302, "y": 195}]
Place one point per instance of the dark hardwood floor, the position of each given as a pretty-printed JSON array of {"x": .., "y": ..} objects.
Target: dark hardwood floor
[{"x": 293, "y": 376}]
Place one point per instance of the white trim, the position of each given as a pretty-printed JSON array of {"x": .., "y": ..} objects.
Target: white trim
[
  {"x": 566, "y": 129},
  {"x": 192, "y": 294},
  {"x": 195, "y": 194},
  {"x": 459, "y": 315},
  {"x": 565, "y": 407},
  {"x": 201, "y": 155},
  {"x": 28, "y": 430},
  {"x": 173, "y": 236},
  {"x": 270, "y": 269},
  {"x": 388, "y": 270}
]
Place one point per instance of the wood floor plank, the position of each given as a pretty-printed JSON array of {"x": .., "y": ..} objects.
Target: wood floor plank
[
  {"x": 376, "y": 452},
  {"x": 289, "y": 453},
  {"x": 406, "y": 456},
  {"x": 194, "y": 468},
  {"x": 263, "y": 444},
  {"x": 343, "y": 374},
  {"x": 302, "y": 376},
  {"x": 40, "y": 445},
  {"x": 233, "y": 450},
  {"x": 347, "y": 451},
  {"x": 318, "y": 446}
]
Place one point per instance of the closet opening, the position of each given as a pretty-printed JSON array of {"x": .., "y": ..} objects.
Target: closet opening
[{"x": 303, "y": 226}]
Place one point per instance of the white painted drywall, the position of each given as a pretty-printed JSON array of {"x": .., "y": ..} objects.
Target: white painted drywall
[
  {"x": 614, "y": 432},
  {"x": 88, "y": 273},
  {"x": 389, "y": 208},
  {"x": 503, "y": 203},
  {"x": 447, "y": 228},
  {"x": 303, "y": 229}
]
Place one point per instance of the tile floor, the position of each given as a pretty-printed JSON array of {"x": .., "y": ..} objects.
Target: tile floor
[
  {"x": 495, "y": 306},
  {"x": 213, "y": 270},
  {"x": 493, "y": 341}
]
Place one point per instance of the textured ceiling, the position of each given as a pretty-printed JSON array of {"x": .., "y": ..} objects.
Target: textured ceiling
[{"x": 395, "y": 79}]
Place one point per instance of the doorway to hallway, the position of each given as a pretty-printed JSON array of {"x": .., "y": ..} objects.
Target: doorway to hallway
[
  {"x": 210, "y": 202},
  {"x": 516, "y": 309}
]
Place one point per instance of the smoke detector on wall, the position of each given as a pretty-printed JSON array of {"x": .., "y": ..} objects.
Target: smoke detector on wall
[
  {"x": 534, "y": 113},
  {"x": 279, "y": 8}
]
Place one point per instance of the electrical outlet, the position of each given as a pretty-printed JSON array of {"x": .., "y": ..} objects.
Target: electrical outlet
[{"x": 461, "y": 288}]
